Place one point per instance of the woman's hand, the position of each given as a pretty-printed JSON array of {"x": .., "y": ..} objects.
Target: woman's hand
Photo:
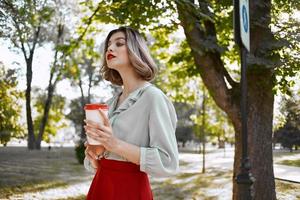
[
  {"x": 102, "y": 133},
  {"x": 91, "y": 155}
]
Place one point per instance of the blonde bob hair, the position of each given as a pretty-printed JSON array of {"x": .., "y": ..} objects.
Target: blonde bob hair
[{"x": 139, "y": 57}]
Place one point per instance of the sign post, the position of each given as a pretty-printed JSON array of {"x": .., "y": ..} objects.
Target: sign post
[{"x": 242, "y": 38}]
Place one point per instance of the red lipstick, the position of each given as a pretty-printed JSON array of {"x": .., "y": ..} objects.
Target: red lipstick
[{"x": 110, "y": 56}]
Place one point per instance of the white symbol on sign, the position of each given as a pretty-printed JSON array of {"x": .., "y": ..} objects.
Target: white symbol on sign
[{"x": 245, "y": 18}]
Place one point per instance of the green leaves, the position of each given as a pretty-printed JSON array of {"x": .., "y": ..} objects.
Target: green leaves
[
  {"x": 56, "y": 117},
  {"x": 10, "y": 108}
]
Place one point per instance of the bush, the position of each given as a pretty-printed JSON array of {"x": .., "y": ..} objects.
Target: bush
[{"x": 79, "y": 149}]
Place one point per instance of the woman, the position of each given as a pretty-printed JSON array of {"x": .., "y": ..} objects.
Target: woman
[{"x": 139, "y": 133}]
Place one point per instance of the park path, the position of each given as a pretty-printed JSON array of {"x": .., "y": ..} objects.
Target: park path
[{"x": 219, "y": 159}]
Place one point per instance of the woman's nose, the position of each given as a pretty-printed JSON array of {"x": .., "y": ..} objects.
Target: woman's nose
[{"x": 110, "y": 48}]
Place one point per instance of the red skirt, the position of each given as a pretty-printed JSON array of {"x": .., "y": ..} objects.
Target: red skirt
[{"x": 118, "y": 180}]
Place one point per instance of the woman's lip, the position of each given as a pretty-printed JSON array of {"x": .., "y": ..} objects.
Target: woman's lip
[{"x": 110, "y": 56}]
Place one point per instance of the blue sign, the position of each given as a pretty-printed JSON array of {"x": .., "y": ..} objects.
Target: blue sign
[
  {"x": 244, "y": 23},
  {"x": 245, "y": 19}
]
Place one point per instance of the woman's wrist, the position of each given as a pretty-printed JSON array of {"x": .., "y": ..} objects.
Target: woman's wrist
[
  {"x": 128, "y": 151},
  {"x": 94, "y": 164}
]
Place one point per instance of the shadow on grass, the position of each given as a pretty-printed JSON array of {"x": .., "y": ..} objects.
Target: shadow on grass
[
  {"x": 191, "y": 186},
  {"x": 286, "y": 190}
]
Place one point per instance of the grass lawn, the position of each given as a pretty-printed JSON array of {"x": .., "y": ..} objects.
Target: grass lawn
[
  {"x": 287, "y": 158},
  {"x": 295, "y": 163},
  {"x": 212, "y": 185},
  {"x": 22, "y": 170},
  {"x": 31, "y": 171}
]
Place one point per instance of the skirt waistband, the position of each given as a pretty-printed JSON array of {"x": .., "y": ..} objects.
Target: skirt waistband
[{"x": 116, "y": 165}]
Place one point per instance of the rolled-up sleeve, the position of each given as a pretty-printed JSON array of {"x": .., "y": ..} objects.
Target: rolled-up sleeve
[{"x": 161, "y": 157}]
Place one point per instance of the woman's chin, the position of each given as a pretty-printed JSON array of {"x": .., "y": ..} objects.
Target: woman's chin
[{"x": 111, "y": 67}]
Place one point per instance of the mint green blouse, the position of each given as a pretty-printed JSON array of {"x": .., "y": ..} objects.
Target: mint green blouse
[{"x": 147, "y": 118}]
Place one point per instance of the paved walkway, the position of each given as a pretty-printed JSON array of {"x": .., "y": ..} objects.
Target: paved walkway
[
  {"x": 224, "y": 160},
  {"x": 285, "y": 172}
]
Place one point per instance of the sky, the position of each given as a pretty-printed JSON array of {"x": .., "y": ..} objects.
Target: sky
[{"x": 43, "y": 57}]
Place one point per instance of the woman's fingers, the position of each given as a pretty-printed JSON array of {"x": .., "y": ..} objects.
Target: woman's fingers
[
  {"x": 90, "y": 154},
  {"x": 95, "y": 132},
  {"x": 91, "y": 133},
  {"x": 96, "y": 125},
  {"x": 92, "y": 123},
  {"x": 105, "y": 118}
]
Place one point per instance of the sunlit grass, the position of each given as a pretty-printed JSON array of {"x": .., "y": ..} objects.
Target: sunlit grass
[
  {"x": 295, "y": 163},
  {"x": 30, "y": 187},
  {"x": 59, "y": 169},
  {"x": 81, "y": 197},
  {"x": 286, "y": 190},
  {"x": 193, "y": 185}
]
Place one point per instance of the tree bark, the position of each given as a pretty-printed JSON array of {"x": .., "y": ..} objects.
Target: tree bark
[
  {"x": 260, "y": 94},
  {"x": 203, "y": 129},
  {"x": 45, "y": 117},
  {"x": 30, "y": 128},
  {"x": 83, "y": 102}
]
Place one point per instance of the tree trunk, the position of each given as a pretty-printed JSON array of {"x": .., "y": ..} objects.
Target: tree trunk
[
  {"x": 51, "y": 88},
  {"x": 260, "y": 94},
  {"x": 260, "y": 133},
  {"x": 31, "y": 136},
  {"x": 83, "y": 102},
  {"x": 44, "y": 120},
  {"x": 203, "y": 129}
]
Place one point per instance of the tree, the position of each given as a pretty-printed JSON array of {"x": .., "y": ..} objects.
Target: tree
[
  {"x": 184, "y": 130},
  {"x": 289, "y": 134},
  {"x": 56, "y": 115},
  {"x": 84, "y": 73},
  {"x": 208, "y": 29},
  {"x": 35, "y": 23},
  {"x": 23, "y": 23},
  {"x": 10, "y": 109}
]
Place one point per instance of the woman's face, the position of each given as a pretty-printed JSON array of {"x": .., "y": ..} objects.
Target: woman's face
[{"x": 117, "y": 52}]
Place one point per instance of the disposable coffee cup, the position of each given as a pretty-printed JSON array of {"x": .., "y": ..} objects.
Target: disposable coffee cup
[{"x": 92, "y": 113}]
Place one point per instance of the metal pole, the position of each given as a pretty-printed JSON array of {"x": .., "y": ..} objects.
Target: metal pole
[{"x": 244, "y": 179}]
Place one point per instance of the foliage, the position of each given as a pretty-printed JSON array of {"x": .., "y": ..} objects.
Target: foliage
[
  {"x": 10, "y": 108},
  {"x": 56, "y": 115},
  {"x": 76, "y": 114},
  {"x": 286, "y": 28},
  {"x": 23, "y": 21},
  {"x": 79, "y": 149},
  {"x": 83, "y": 66},
  {"x": 289, "y": 134},
  {"x": 184, "y": 134},
  {"x": 28, "y": 25}
]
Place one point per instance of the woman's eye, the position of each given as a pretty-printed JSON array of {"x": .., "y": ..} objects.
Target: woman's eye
[{"x": 119, "y": 44}]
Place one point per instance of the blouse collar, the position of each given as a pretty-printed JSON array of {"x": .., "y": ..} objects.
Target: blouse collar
[{"x": 128, "y": 102}]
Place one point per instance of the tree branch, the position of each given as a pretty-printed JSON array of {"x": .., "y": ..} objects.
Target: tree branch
[
  {"x": 16, "y": 24},
  {"x": 208, "y": 60}
]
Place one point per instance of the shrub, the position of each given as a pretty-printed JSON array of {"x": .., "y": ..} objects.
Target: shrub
[{"x": 79, "y": 149}]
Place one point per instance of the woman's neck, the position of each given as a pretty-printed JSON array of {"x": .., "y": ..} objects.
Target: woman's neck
[
  {"x": 131, "y": 85},
  {"x": 131, "y": 81}
]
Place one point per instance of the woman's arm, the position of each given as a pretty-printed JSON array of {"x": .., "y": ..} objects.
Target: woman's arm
[{"x": 103, "y": 133}]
